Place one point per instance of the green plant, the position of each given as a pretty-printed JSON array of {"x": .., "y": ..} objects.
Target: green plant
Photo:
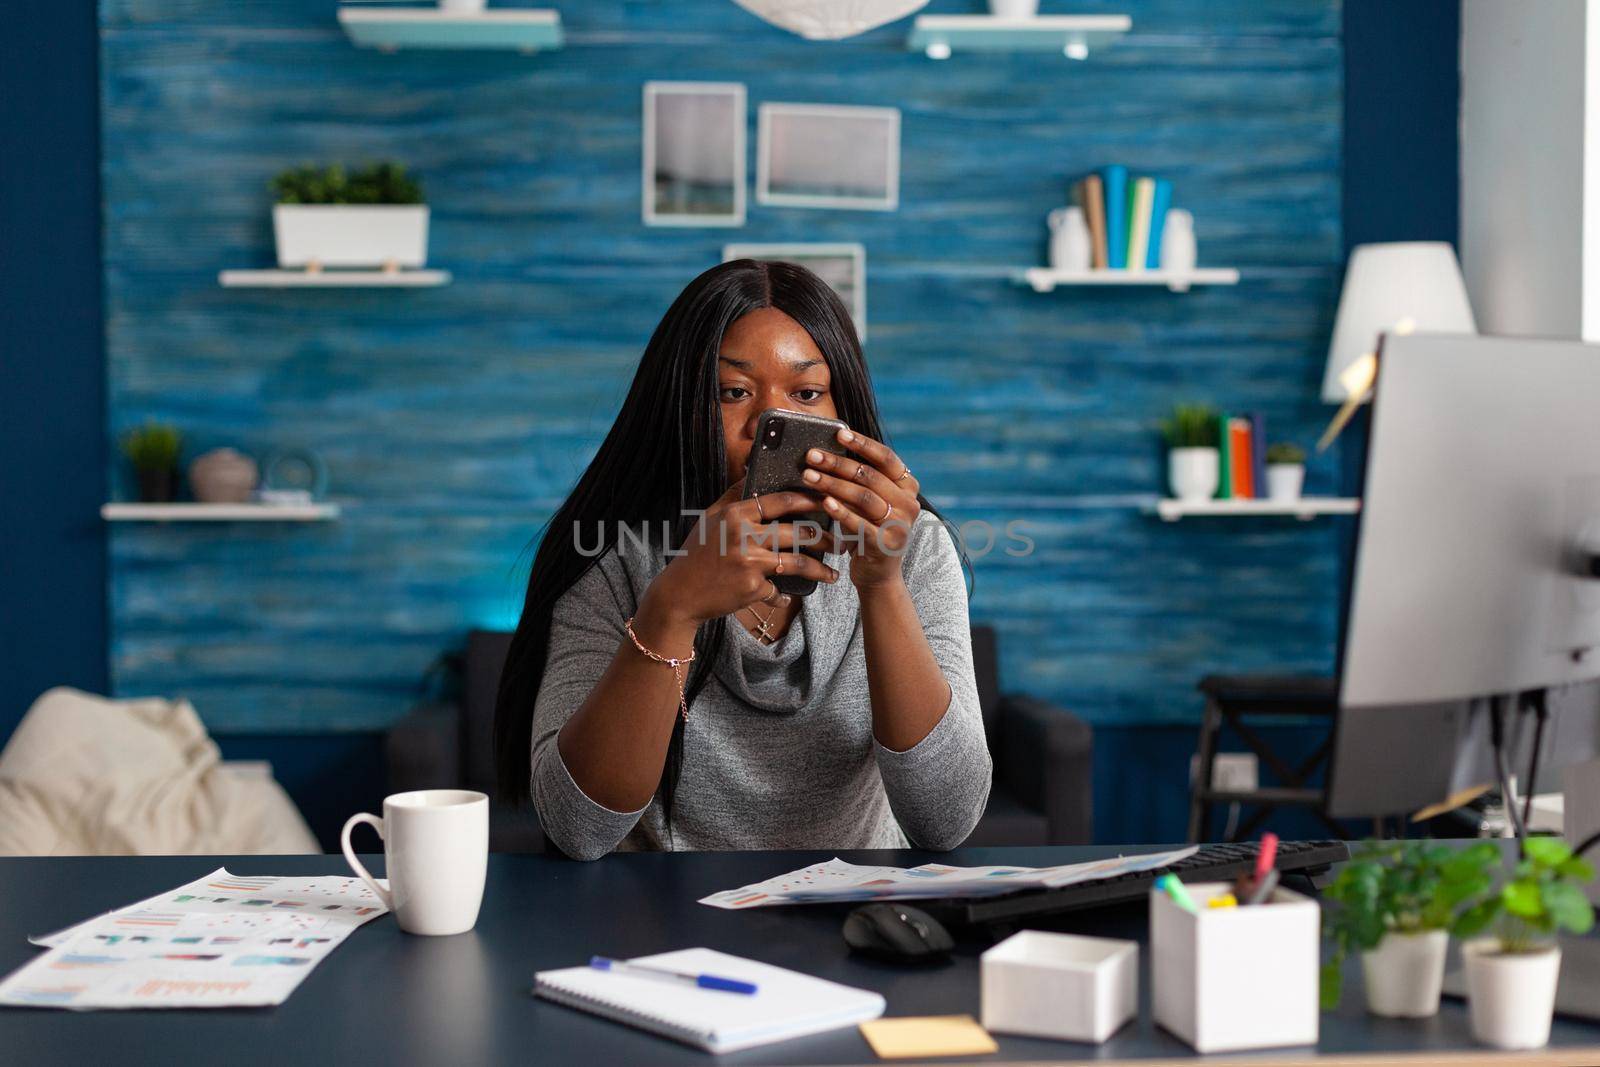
[
  {"x": 1191, "y": 426},
  {"x": 153, "y": 447},
  {"x": 381, "y": 183},
  {"x": 1403, "y": 887},
  {"x": 1284, "y": 452},
  {"x": 1541, "y": 894}
]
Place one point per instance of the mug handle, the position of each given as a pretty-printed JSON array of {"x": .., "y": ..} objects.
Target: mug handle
[{"x": 355, "y": 864}]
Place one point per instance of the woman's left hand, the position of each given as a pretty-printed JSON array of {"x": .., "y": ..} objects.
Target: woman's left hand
[{"x": 873, "y": 497}]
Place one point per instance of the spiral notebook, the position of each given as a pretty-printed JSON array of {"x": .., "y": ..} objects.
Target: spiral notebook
[{"x": 787, "y": 1004}]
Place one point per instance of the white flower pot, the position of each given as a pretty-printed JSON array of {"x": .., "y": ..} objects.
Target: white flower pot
[
  {"x": 1404, "y": 973},
  {"x": 1511, "y": 996},
  {"x": 1285, "y": 480},
  {"x": 1014, "y": 9},
  {"x": 1193, "y": 473},
  {"x": 351, "y": 235}
]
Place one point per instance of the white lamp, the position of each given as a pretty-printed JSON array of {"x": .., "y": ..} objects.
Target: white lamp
[{"x": 1403, "y": 287}]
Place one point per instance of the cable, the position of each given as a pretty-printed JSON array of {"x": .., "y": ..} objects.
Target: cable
[
  {"x": 1587, "y": 843},
  {"x": 1538, "y": 700},
  {"x": 1497, "y": 711}
]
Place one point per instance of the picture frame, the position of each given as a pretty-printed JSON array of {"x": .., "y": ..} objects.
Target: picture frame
[
  {"x": 842, "y": 264},
  {"x": 693, "y": 158},
  {"x": 828, "y": 156}
]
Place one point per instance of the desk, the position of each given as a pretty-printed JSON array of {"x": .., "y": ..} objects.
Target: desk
[{"x": 387, "y": 998}]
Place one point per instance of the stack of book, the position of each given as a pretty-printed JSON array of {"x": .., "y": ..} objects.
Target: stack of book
[
  {"x": 1125, "y": 218},
  {"x": 1243, "y": 457}
]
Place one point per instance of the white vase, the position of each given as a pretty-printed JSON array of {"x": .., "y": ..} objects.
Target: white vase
[
  {"x": 461, "y": 7},
  {"x": 1069, "y": 239},
  {"x": 1404, "y": 973},
  {"x": 351, "y": 235},
  {"x": 1285, "y": 480},
  {"x": 1193, "y": 473},
  {"x": 1511, "y": 995},
  {"x": 1178, "y": 253},
  {"x": 1014, "y": 9}
]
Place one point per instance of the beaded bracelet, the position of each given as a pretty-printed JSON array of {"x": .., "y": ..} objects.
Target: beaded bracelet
[{"x": 677, "y": 665}]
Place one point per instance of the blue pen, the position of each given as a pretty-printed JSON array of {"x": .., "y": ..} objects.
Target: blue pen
[{"x": 704, "y": 981}]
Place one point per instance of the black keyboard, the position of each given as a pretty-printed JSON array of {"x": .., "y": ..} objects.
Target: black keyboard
[{"x": 1213, "y": 863}]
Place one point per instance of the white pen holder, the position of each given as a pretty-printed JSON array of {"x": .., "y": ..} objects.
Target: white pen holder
[
  {"x": 1060, "y": 985},
  {"x": 1225, "y": 979}
]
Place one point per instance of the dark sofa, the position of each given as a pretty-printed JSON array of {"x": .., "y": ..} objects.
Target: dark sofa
[{"x": 1042, "y": 755}]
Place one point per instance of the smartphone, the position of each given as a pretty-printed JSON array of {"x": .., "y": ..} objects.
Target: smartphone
[{"x": 777, "y": 462}]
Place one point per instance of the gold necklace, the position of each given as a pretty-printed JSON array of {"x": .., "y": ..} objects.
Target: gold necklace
[{"x": 762, "y": 625}]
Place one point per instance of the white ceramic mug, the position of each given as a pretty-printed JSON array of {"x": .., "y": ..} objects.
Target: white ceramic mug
[{"x": 436, "y": 848}]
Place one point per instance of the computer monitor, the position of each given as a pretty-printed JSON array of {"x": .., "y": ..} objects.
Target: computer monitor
[{"x": 1474, "y": 571}]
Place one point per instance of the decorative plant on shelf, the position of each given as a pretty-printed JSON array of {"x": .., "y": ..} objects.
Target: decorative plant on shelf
[
  {"x": 1286, "y": 454},
  {"x": 371, "y": 217},
  {"x": 381, "y": 183},
  {"x": 1286, "y": 471},
  {"x": 153, "y": 449},
  {"x": 1191, "y": 433},
  {"x": 1511, "y": 975},
  {"x": 1402, "y": 897}
]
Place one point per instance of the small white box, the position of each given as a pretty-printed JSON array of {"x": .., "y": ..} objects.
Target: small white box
[
  {"x": 351, "y": 235},
  {"x": 1060, "y": 985},
  {"x": 1225, "y": 979}
]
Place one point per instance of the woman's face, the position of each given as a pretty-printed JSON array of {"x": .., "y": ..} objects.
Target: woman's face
[{"x": 767, "y": 361}]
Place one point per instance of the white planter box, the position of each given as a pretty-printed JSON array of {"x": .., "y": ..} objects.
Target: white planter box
[
  {"x": 1193, "y": 473},
  {"x": 1510, "y": 998},
  {"x": 1060, "y": 986},
  {"x": 351, "y": 235},
  {"x": 1285, "y": 480},
  {"x": 1404, "y": 974},
  {"x": 1235, "y": 978}
]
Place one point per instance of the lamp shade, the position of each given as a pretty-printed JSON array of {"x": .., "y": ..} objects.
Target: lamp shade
[
  {"x": 829, "y": 20},
  {"x": 1405, "y": 287}
]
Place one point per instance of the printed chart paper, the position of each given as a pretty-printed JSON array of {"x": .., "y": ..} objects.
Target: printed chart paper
[
  {"x": 836, "y": 880},
  {"x": 222, "y": 941}
]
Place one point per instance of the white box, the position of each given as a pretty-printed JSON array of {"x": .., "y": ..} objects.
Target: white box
[
  {"x": 351, "y": 235},
  {"x": 1225, "y": 979},
  {"x": 1060, "y": 985}
]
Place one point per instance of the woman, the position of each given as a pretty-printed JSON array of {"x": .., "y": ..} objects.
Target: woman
[{"x": 661, "y": 694}]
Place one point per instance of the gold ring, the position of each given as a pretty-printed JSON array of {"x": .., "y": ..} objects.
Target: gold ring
[
  {"x": 778, "y": 598},
  {"x": 886, "y": 514},
  {"x": 758, "y": 509},
  {"x": 779, "y": 570},
  {"x": 860, "y": 472},
  {"x": 903, "y": 475}
]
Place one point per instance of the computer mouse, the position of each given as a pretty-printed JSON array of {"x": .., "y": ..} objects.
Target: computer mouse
[{"x": 898, "y": 933}]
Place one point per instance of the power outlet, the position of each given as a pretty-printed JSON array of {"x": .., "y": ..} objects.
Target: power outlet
[{"x": 1233, "y": 772}]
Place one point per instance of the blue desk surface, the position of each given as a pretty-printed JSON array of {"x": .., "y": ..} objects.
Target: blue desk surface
[{"x": 388, "y": 998}]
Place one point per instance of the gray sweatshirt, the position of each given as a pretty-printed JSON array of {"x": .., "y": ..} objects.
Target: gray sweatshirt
[{"x": 778, "y": 752}]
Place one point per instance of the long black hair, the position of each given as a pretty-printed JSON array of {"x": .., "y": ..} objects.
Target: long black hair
[{"x": 663, "y": 458}]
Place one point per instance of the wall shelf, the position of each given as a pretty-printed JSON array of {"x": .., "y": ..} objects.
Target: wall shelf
[
  {"x": 1304, "y": 509},
  {"x": 333, "y": 279},
  {"x": 1072, "y": 35},
  {"x": 219, "y": 512},
  {"x": 390, "y": 29},
  {"x": 1044, "y": 280}
]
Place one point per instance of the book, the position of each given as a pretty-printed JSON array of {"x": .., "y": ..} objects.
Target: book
[
  {"x": 1093, "y": 201},
  {"x": 1115, "y": 180},
  {"x": 786, "y": 1004},
  {"x": 1139, "y": 205},
  {"x": 1240, "y": 471},
  {"x": 1258, "y": 453},
  {"x": 1224, "y": 468},
  {"x": 1160, "y": 201}
]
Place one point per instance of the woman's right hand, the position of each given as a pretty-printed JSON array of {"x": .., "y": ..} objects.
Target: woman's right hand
[{"x": 729, "y": 556}]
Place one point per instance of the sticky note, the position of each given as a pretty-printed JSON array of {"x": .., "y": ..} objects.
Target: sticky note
[{"x": 931, "y": 1035}]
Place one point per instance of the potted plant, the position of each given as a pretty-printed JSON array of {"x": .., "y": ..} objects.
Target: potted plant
[
  {"x": 1395, "y": 903},
  {"x": 1511, "y": 975},
  {"x": 153, "y": 450},
  {"x": 1192, "y": 462},
  {"x": 1286, "y": 471},
  {"x": 372, "y": 217}
]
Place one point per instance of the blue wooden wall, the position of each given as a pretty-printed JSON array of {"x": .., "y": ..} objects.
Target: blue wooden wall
[{"x": 454, "y": 419}]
